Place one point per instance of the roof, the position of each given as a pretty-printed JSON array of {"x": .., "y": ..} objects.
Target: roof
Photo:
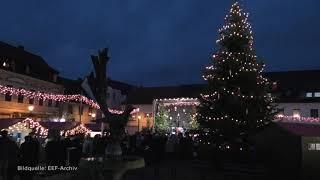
[
  {"x": 292, "y": 85},
  {"x": 146, "y": 95},
  {"x": 94, "y": 126},
  {"x": 70, "y": 86},
  {"x": 123, "y": 87},
  {"x": 299, "y": 80},
  {"x": 301, "y": 129},
  {"x": 5, "y": 123},
  {"x": 59, "y": 125},
  {"x": 38, "y": 67}
]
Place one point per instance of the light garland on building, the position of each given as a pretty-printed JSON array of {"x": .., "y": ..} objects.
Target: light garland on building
[
  {"x": 113, "y": 111},
  {"x": 55, "y": 97},
  {"x": 177, "y": 99},
  {"x": 296, "y": 119},
  {"x": 181, "y": 104},
  {"x": 47, "y": 96}
]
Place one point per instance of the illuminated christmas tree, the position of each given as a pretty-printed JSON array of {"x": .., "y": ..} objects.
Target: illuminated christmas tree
[
  {"x": 236, "y": 100},
  {"x": 162, "y": 122}
]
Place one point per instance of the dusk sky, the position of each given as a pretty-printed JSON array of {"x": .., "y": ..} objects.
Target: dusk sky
[{"x": 164, "y": 42}]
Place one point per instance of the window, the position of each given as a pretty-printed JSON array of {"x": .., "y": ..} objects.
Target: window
[
  {"x": 309, "y": 94},
  {"x": 8, "y": 96},
  {"x": 296, "y": 113},
  {"x": 13, "y": 65},
  {"x": 31, "y": 99},
  {"x": 90, "y": 111},
  {"x": 20, "y": 98},
  {"x": 314, "y": 146},
  {"x": 70, "y": 110},
  {"x": 314, "y": 113},
  {"x": 317, "y": 94},
  {"x": 280, "y": 112},
  {"x": 27, "y": 69},
  {"x": 41, "y": 101},
  {"x": 49, "y": 102},
  {"x": 311, "y": 147}
]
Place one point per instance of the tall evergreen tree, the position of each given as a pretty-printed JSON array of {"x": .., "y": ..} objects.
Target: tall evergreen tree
[{"x": 236, "y": 100}]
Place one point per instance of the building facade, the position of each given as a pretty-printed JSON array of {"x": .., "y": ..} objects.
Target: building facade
[
  {"x": 297, "y": 92},
  {"x": 23, "y": 70}
]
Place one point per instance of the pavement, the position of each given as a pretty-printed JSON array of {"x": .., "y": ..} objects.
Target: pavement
[
  {"x": 175, "y": 170},
  {"x": 196, "y": 170}
]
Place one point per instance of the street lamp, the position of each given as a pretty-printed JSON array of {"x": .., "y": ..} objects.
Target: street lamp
[
  {"x": 139, "y": 117},
  {"x": 30, "y": 108},
  {"x": 93, "y": 115}
]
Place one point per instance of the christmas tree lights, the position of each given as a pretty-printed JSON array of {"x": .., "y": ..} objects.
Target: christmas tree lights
[{"x": 236, "y": 100}]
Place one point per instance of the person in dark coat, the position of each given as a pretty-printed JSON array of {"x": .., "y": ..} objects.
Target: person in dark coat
[
  {"x": 55, "y": 152},
  {"x": 28, "y": 157},
  {"x": 8, "y": 156}
]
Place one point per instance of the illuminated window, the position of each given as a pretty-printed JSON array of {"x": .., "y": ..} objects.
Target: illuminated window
[
  {"x": 311, "y": 147},
  {"x": 309, "y": 94},
  {"x": 90, "y": 111},
  {"x": 280, "y": 112},
  {"x": 296, "y": 113},
  {"x": 317, "y": 94},
  {"x": 314, "y": 146}
]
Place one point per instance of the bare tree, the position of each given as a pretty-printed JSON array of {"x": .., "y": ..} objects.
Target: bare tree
[{"x": 117, "y": 122}]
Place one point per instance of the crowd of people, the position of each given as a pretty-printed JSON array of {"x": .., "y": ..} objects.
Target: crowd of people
[{"x": 56, "y": 150}]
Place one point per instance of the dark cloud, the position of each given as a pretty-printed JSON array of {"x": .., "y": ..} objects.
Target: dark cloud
[{"x": 157, "y": 42}]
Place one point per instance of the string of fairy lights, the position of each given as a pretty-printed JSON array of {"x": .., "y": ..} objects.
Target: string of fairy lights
[
  {"x": 46, "y": 96},
  {"x": 28, "y": 125},
  {"x": 56, "y": 97},
  {"x": 80, "y": 129},
  {"x": 297, "y": 119},
  {"x": 239, "y": 29}
]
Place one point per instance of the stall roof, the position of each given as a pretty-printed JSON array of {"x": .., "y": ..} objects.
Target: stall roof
[
  {"x": 5, "y": 123},
  {"x": 301, "y": 129}
]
